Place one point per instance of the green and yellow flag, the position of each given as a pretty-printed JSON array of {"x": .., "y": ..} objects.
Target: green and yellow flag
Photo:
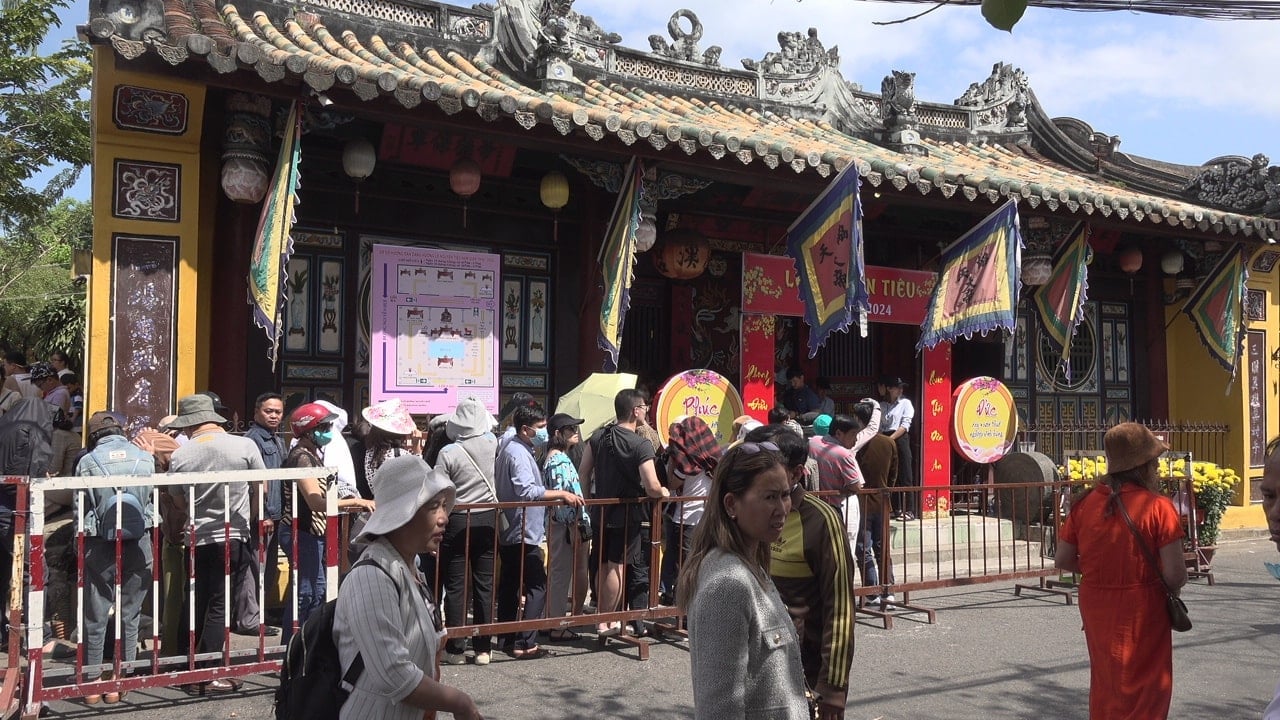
[
  {"x": 1060, "y": 301},
  {"x": 1216, "y": 309},
  {"x": 617, "y": 260},
  {"x": 273, "y": 242}
]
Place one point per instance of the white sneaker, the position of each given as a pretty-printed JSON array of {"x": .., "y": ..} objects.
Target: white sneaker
[
  {"x": 482, "y": 658},
  {"x": 871, "y": 600},
  {"x": 455, "y": 658},
  {"x": 887, "y": 601}
]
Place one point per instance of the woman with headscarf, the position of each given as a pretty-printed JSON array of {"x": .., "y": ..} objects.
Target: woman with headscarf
[
  {"x": 385, "y": 617},
  {"x": 692, "y": 456},
  {"x": 1108, "y": 536}
]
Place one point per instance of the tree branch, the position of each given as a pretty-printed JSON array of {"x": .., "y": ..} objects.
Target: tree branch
[{"x": 913, "y": 17}]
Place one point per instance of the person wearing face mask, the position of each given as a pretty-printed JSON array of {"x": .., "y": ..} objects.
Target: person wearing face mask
[
  {"x": 518, "y": 479},
  {"x": 303, "y": 520}
]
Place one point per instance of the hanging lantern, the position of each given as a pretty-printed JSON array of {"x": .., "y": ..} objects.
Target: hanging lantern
[
  {"x": 684, "y": 255},
  {"x": 358, "y": 161},
  {"x": 554, "y": 191},
  {"x": 1130, "y": 260},
  {"x": 1171, "y": 262},
  {"x": 1036, "y": 269},
  {"x": 464, "y": 180},
  {"x": 646, "y": 233}
]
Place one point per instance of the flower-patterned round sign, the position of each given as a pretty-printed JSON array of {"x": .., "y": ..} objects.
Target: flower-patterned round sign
[
  {"x": 985, "y": 423},
  {"x": 704, "y": 393}
]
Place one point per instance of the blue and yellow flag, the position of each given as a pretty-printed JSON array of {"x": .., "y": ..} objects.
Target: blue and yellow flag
[
  {"x": 1216, "y": 309},
  {"x": 826, "y": 244},
  {"x": 617, "y": 260},
  {"x": 978, "y": 287},
  {"x": 273, "y": 243},
  {"x": 1060, "y": 301}
]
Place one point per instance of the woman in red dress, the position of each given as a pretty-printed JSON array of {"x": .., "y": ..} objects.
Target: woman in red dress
[{"x": 1122, "y": 599}]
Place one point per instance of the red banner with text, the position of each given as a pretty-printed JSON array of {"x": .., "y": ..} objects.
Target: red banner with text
[
  {"x": 935, "y": 428},
  {"x": 770, "y": 286},
  {"x": 758, "y": 333}
]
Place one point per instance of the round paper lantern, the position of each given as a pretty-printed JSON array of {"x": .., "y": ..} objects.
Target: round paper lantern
[
  {"x": 244, "y": 180},
  {"x": 1130, "y": 260},
  {"x": 646, "y": 233},
  {"x": 464, "y": 178},
  {"x": 684, "y": 255},
  {"x": 358, "y": 158},
  {"x": 554, "y": 190},
  {"x": 1036, "y": 269},
  {"x": 1171, "y": 262}
]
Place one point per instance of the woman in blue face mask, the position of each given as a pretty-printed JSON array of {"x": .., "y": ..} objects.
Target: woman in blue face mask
[{"x": 304, "y": 517}]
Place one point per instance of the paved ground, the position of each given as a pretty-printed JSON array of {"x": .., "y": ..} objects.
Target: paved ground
[{"x": 990, "y": 656}]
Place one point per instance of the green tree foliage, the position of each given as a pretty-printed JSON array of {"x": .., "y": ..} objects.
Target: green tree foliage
[
  {"x": 44, "y": 111},
  {"x": 41, "y": 306}
]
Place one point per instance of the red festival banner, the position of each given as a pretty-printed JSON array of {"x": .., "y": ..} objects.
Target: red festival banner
[
  {"x": 758, "y": 332},
  {"x": 770, "y": 286},
  {"x": 935, "y": 428}
]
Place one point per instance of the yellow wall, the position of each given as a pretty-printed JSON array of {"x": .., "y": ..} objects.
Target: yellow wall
[
  {"x": 194, "y": 245},
  {"x": 1197, "y": 383}
]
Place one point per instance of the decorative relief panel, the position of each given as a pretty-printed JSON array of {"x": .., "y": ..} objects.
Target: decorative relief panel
[
  {"x": 147, "y": 110},
  {"x": 1265, "y": 261},
  {"x": 672, "y": 74},
  {"x": 413, "y": 16},
  {"x": 143, "y": 292},
  {"x": 146, "y": 191},
  {"x": 1255, "y": 305}
]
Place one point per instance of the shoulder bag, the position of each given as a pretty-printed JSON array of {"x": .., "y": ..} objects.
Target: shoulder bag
[
  {"x": 503, "y": 523},
  {"x": 1177, "y": 609}
]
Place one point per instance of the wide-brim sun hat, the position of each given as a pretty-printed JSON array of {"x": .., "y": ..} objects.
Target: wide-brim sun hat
[
  {"x": 470, "y": 419},
  {"x": 390, "y": 416},
  {"x": 195, "y": 410},
  {"x": 400, "y": 488},
  {"x": 1130, "y": 445}
]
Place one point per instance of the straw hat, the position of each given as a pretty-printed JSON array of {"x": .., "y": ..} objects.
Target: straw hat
[
  {"x": 400, "y": 488},
  {"x": 391, "y": 416},
  {"x": 1130, "y": 445}
]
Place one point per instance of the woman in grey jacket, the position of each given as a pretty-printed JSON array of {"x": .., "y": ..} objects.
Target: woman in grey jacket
[{"x": 744, "y": 653}]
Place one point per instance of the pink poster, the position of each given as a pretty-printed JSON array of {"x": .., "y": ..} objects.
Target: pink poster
[{"x": 434, "y": 328}]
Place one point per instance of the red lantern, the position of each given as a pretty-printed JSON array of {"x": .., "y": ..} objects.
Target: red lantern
[
  {"x": 684, "y": 255},
  {"x": 464, "y": 179},
  {"x": 1130, "y": 260}
]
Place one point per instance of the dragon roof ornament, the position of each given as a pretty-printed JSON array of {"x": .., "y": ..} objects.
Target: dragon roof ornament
[
  {"x": 1238, "y": 184},
  {"x": 1001, "y": 100},
  {"x": 796, "y": 55}
]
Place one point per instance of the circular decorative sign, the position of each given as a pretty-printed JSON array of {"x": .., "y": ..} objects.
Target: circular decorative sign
[
  {"x": 986, "y": 422},
  {"x": 704, "y": 393}
]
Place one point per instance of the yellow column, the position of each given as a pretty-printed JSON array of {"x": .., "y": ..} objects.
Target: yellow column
[{"x": 148, "y": 188}]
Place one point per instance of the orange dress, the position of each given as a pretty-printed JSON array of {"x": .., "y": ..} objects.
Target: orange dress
[{"x": 1122, "y": 602}]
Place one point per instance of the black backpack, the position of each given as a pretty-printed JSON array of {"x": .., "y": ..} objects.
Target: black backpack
[{"x": 311, "y": 676}]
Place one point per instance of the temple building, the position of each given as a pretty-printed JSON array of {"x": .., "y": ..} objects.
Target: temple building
[{"x": 505, "y": 129}]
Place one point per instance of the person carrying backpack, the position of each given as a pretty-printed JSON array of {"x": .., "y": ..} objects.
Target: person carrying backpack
[
  {"x": 384, "y": 620},
  {"x": 121, "y": 515}
]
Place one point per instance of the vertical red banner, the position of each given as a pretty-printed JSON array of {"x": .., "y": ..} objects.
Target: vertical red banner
[
  {"x": 757, "y": 364},
  {"x": 935, "y": 427}
]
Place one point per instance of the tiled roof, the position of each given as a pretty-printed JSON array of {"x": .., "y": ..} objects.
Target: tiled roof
[{"x": 302, "y": 47}]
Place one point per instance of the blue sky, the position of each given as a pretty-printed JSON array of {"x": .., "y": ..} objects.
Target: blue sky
[{"x": 1173, "y": 89}]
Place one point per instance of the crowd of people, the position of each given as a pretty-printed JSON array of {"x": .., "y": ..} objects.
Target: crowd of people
[{"x": 765, "y": 569}]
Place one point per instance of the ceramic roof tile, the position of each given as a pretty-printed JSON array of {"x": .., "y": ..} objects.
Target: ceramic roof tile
[{"x": 306, "y": 48}]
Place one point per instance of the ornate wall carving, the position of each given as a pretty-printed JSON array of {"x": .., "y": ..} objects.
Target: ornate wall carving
[
  {"x": 143, "y": 292},
  {"x": 1239, "y": 185},
  {"x": 147, "y": 110},
  {"x": 663, "y": 72},
  {"x": 146, "y": 191}
]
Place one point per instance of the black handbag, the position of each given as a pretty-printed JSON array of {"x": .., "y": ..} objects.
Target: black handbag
[{"x": 1178, "y": 616}]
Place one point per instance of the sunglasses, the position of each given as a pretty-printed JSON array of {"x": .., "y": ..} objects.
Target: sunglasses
[{"x": 751, "y": 448}]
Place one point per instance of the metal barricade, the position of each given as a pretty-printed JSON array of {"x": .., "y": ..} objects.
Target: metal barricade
[{"x": 46, "y": 680}]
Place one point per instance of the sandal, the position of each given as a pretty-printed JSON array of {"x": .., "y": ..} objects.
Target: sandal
[
  {"x": 609, "y": 630},
  {"x": 562, "y": 635},
  {"x": 531, "y": 653}
]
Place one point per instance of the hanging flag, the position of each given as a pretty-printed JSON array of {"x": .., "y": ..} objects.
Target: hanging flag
[
  {"x": 273, "y": 243},
  {"x": 978, "y": 287},
  {"x": 1060, "y": 301},
  {"x": 617, "y": 260},
  {"x": 1216, "y": 309},
  {"x": 826, "y": 244}
]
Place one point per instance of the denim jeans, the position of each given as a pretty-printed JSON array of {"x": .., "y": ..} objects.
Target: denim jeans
[
  {"x": 677, "y": 541},
  {"x": 309, "y": 570},
  {"x": 100, "y": 593},
  {"x": 870, "y": 557}
]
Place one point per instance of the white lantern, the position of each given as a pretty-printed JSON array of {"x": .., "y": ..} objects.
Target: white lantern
[
  {"x": 1171, "y": 262},
  {"x": 647, "y": 233}
]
